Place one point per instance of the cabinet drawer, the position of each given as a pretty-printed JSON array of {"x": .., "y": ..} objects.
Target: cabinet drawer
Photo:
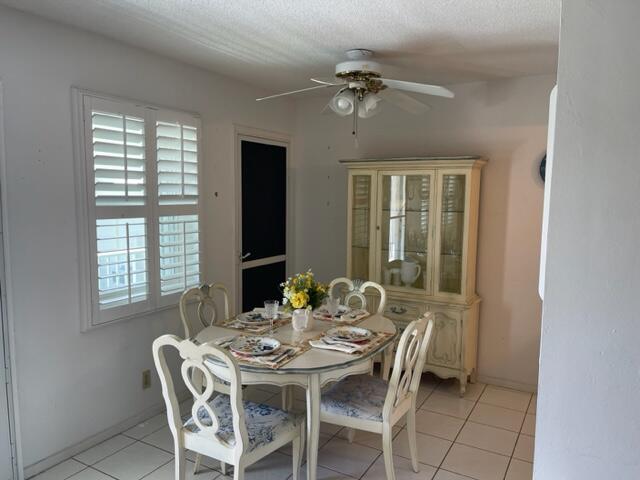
[{"x": 403, "y": 312}]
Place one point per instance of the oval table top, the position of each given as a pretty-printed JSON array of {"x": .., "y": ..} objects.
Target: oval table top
[{"x": 314, "y": 360}]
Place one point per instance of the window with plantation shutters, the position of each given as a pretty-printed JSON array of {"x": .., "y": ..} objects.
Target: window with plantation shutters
[{"x": 139, "y": 200}]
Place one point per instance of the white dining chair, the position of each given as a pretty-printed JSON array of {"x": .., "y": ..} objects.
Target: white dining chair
[
  {"x": 369, "y": 403},
  {"x": 207, "y": 310},
  {"x": 206, "y": 313},
  {"x": 352, "y": 293},
  {"x": 222, "y": 426}
]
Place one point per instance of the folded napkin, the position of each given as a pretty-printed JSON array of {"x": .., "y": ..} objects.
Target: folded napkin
[{"x": 344, "y": 347}]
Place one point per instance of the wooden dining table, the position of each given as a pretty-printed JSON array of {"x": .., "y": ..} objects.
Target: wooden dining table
[{"x": 310, "y": 370}]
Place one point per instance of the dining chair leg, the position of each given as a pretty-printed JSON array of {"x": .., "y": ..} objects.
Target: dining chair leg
[
  {"x": 351, "y": 434},
  {"x": 180, "y": 461},
  {"x": 411, "y": 431},
  {"x": 387, "y": 452},
  {"x": 196, "y": 465}
]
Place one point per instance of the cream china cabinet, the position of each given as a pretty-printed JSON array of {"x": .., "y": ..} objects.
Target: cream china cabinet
[{"x": 412, "y": 226}]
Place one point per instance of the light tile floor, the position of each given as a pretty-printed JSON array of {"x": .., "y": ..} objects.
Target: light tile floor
[{"x": 488, "y": 435}]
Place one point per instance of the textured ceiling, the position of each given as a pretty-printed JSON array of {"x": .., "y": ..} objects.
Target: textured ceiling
[{"x": 279, "y": 44}]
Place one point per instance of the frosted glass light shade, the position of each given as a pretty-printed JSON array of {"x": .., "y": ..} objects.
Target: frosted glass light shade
[
  {"x": 342, "y": 103},
  {"x": 369, "y": 106}
]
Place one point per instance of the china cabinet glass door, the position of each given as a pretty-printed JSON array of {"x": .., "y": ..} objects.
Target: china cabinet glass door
[
  {"x": 451, "y": 232},
  {"x": 361, "y": 208},
  {"x": 404, "y": 247}
]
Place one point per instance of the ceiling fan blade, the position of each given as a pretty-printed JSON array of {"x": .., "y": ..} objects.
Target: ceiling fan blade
[
  {"x": 423, "y": 88},
  {"x": 325, "y": 81},
  {"x": 297, "y": 91},
  {"x": 404, "y": 101}
]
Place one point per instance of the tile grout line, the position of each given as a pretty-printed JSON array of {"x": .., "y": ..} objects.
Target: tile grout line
[
  {"x": 104, "y": 473},
  {"x": 513, "y": 450},
  {"x": 103, "y": 458},
  {"x": 460, "y": 431}
]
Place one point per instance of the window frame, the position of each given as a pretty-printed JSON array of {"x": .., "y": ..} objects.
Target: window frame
[{"x": 86, "y": 215}]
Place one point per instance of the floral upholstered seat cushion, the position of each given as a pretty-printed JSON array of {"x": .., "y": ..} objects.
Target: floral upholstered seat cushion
[
  {"x": 359, "y": 396},
  {"x": 264, "y": 422}
]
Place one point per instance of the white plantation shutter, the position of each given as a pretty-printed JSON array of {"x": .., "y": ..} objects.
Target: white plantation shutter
[
  {"x": 118, "y": 158},
  {"x": 141, "y": 168},
  {"x": 177, "y": 156},
  {"x": 179, "y": 253},
  {"x": 122, "y": 261},
  {"x": 179, "y": 233}
]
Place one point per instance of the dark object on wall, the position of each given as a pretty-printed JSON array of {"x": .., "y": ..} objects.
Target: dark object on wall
[{"x": 543, "y": 166}]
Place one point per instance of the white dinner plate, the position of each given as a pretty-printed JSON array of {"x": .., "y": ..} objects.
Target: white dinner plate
[
  {"x": 342, "y": 310},
  {"x": 254, "y": 346},
  {"x": 349, "y": 334},
  {"x": 253, "y": 318}
]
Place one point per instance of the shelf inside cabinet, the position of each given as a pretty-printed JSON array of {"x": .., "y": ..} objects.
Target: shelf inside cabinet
[{"x": 388, "y": 210}]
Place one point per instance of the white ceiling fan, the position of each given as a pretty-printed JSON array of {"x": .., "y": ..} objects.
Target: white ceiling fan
[{"x": 361, "y": 87}]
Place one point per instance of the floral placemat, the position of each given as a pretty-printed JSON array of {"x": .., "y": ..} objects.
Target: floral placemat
[
  {"x": 377, "y": 339},
  {"x": 256, "y": 329},
  {"x": 351, "y": 318},
  {"x": 281, "y": 357}
]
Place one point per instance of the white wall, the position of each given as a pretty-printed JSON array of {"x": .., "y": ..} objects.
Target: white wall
[
  {"x": 504, "y": 120},
  {"x": 73, "y": 385},
  {"x": 588, "y": 425}
]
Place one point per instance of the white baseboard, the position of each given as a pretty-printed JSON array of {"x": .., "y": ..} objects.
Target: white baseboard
[
  {"x": 94, "y": 440},
  {"x": 503, "y": 382}
]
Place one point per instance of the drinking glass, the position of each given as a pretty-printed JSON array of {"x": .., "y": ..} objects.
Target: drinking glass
[
  {"x": 332, "y": 306},
  {"x": 271, "y": 311}
]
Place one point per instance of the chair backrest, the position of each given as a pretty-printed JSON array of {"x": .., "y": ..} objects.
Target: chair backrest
[
  {"x": 193, "y": 359},
  {"x": 409, "y": 362},
  {"x": 207, "y": 309},
  {"x": 354, "y": 290}
]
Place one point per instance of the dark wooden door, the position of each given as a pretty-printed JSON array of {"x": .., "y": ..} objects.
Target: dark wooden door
[{"x": 264, "y": 221}]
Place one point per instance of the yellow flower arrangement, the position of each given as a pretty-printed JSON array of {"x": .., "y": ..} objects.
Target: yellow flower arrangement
[{"x": 302, "y": 291}]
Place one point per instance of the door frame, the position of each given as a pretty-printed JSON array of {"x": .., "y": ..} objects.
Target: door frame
[
  {"x": 6, "y": 314},
  {"x": 242, "y": 132}
]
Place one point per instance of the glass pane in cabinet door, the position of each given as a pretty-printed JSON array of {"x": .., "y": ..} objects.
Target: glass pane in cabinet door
[
  {"x": 405, "y": 230},
  {"x": 452, "y": 233},
  {"x": 360, "y": 227}
]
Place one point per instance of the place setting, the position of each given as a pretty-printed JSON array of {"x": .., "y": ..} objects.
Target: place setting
[
  {"x": 260, "y": 350},
  {"x": 260, "y": 320},
  {"x": 350, "y": 339},
  {"x": 333, "y": 311}
]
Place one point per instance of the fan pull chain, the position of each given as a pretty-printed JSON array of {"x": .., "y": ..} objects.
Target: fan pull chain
[{"x": 356, "y": 105}]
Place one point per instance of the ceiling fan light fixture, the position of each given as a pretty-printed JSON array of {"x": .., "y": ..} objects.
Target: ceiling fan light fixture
[
  {"x": 369, "y": 106},
  {"x": 343, "y": 103}
]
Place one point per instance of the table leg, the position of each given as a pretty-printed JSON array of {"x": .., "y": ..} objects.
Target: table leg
[{"x": 313, "y": 425}]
